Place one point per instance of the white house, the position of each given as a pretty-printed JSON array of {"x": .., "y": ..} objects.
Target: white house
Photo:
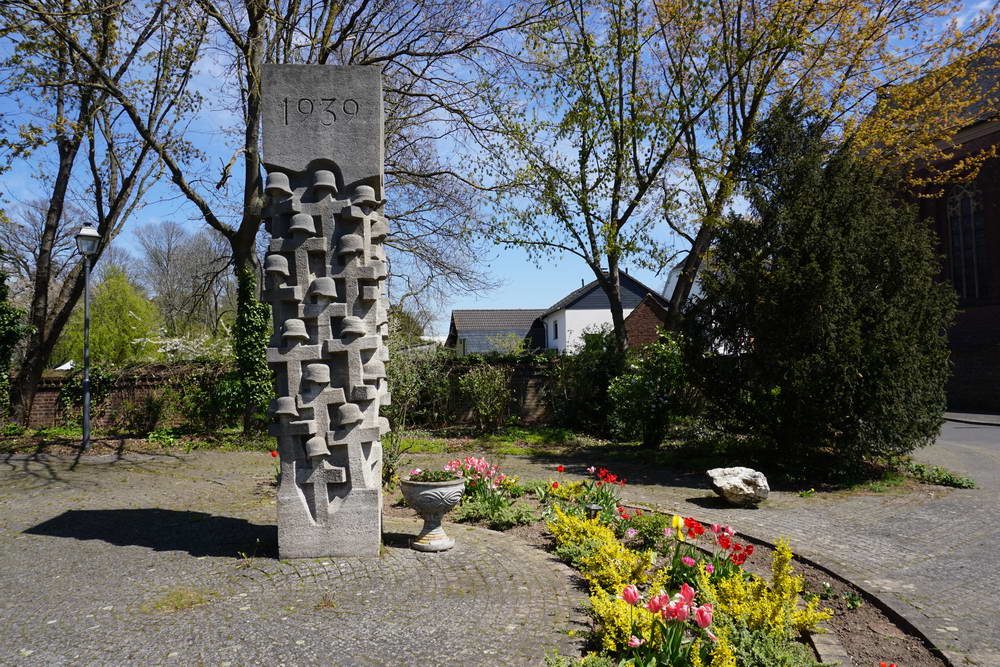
[{"x": 559, "y": 327}]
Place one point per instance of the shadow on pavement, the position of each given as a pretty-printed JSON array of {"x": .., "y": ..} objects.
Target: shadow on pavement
[
  {"x": 716, "y": 503},
  {"x": 197, "y": 533}
]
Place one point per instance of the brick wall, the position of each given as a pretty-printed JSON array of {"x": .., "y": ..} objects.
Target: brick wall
[
  {"x": 130, "y": 390},
  {"x": 47, "y": 410},
  {"x": 975, "y": 358},
  {"x": 643, "y": 323}
]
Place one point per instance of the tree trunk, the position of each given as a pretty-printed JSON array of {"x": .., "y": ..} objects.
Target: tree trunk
[
  {"x": 689, "y": 270},
  {"x": 40, "y": 343},
  {"x": 613, "y": 290}
]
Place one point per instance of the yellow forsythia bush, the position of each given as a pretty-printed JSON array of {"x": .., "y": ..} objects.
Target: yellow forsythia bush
[
  {"x": 610, "y": 566},
  {"x": 567, "y": 490},
  {"x": 614, "y": 566},
  {"x": 568, "y": 529},
  {"x": 763, "y": 606},
  {"x": 616, "y": 620}
]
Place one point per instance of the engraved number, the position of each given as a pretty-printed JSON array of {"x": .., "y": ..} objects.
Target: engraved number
[
  {"x": 350, "y": 108},
  {"x": 305, "y": 107},
  {"x": 333, "y": 114}
]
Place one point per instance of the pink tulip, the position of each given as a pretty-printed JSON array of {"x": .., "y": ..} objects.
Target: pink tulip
[
  {"x": 715, "y": 528},
  {"x": 687, "y": 560},
  {"x": 703, "y": 615},
  {"x": 591, "y": 470},
  {"x": 728, "y": 530},
  {"x": 630, "y": 594},
  {"x": 710, "y": 568},
  {"x": 634, "y": 641},
  {"x": 686, "y": 594},
  {"x": 656, "y": 603},
  {"x": 677, "y": 611}
]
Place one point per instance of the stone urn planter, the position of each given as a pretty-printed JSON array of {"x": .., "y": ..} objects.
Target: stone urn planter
[{"x": 432, "y": 500}]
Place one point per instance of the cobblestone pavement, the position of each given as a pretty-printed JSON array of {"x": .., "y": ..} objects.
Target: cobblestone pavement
[
  {"x": 931, "y": 554},
  {"x": 102, "y": 562}
]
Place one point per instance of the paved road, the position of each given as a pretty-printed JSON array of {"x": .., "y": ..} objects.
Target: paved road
[{"x": 96, "y": 563}]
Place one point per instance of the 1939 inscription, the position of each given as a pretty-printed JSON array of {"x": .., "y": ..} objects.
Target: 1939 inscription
[{"x": 328, "y": 109}]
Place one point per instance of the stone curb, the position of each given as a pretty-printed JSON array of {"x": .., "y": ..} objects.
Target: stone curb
[
  {"x": 889, "y": 603},
  {"x": 974, "y": 422}
]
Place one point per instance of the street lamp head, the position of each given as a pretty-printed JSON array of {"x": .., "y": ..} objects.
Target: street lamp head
[{"x": 87, "y": 240}]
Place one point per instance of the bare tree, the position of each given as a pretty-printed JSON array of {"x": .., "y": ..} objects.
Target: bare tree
[
  {"x": 21, "y": 238},
  {"x": 64, "y": 91},
  {"x": 187, "y": 275}
]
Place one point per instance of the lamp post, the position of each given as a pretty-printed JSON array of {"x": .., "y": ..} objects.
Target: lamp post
[{"x": 87, "y": 241}]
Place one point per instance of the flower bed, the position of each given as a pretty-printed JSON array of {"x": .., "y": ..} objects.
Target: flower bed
[
  {"x": 743, "y": 619},
  {"x": 656, "y": 599}
]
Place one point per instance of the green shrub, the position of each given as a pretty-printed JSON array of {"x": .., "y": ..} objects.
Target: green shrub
[
  {"x": 12, "y": 430},
  {"x": 393, "y": 450},
  {"x": 577, "y": 389},
  {"x": 211, "y": 398},
  {"x": 651, "y": 393},
  {"x": 757, "y": 648},
  {"x": 142, "y": 415},
  {"x": 12, "y": 331},
  {"x": 487, "y": 388},
  {"x": 821, "y": 331},
  {"x": 162, "y": 437},
  {"x": 496, "y": 512},
  {"x": 649, "y": 527},
  {"x": 589, "y": 660},
  {"x": 937, "y": 475},
  {"x": 102, "y": 382},
  {"x": 421, "y": 387}
]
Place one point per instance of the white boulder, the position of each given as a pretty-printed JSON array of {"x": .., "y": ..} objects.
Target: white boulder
[{"x": 739, "y": 486}]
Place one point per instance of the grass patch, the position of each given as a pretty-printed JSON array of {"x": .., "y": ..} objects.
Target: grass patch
[
  {"x": 890, "y": 480},
  {"x": 178, "y": 599},
  {"x": 67, "y": 431},
  {"x": 425, "y": 445},
  {"x": 937, "y": 475}
]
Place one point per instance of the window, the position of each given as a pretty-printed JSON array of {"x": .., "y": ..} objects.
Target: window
[
  {"x": 967, "y": 242},
  {"x": 555, "y": 331}
]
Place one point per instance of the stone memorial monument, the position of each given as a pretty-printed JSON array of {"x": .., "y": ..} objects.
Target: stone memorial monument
[{"x": 325, "y": 270}]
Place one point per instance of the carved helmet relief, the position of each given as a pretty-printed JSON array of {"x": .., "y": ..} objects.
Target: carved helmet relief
[
  {"x": 324, "y": 287},
  {"x": 316, "y": 446},
  {"x": 318, "y": 373},
  {"x": 350, "y": 245},
  {"x": 324, "y": 181},
  {"x": 348, "y": 414},
  {"x": 295, "y": 330},
  {"x": 353, "y": 325},
  {"x": 302, "y": 224},
  {"x": 325, "y": 267},
  {"x": 284, "y": 406},
  {"x": 277, "y": 185},
  {"x": 276, "y": 266}
]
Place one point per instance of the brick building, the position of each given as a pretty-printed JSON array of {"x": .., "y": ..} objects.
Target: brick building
[
  {"x": 643, "y": 324},
  {"x": 966, "y": 219}
]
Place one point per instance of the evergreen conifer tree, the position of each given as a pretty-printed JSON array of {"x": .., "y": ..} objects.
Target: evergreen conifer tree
[{"x": 822, "y": 329}]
